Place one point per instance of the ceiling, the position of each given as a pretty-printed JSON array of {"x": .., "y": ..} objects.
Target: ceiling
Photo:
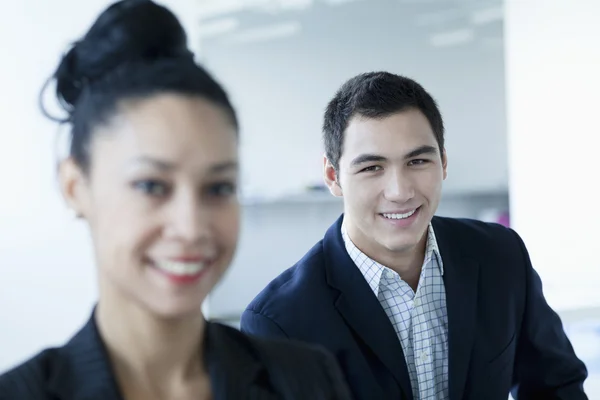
[{"x": 443, "y": 22}]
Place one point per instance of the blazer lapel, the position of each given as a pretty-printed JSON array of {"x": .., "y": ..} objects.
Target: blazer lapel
[
  {"x": 83, "y": 371},
  {"x": 361, "y": 309},
  {"x": 461, "y": 282}
]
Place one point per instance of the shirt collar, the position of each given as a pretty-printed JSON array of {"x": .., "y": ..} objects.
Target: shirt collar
[
  {"x": 432, "y": 249},
  {"x": 372, "y": 270}
]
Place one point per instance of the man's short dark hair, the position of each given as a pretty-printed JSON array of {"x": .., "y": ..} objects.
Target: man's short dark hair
[{"x": 376, "y": 95}]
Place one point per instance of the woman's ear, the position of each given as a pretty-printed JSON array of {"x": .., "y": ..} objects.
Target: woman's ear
[{"x": 74, "y": 186}]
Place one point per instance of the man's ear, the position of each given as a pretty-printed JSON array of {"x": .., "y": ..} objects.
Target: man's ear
[
  {"x": 330, "y": 177},
  {"x": 74, "y": 186},
  {"x": 445, "y": 163}
]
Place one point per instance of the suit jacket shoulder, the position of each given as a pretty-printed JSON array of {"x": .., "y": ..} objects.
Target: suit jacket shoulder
[
  {"x": 302, "y": 277},
  {"x": 80, "y": 369},
  {"x": 474, "y": 231},
  {"x": 492, "y": 245},
  {"x": 29, "y": 379}
]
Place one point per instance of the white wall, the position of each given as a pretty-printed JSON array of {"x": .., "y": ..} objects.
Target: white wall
[
  {"x": 47, "y": 280},
  {"x": 553, "y": 89}
]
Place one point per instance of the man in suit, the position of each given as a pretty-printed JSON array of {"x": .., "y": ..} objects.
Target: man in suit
[{"x": 413, "y": 305}]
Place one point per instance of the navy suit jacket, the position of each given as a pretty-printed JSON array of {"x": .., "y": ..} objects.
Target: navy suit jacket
[
  {"x": 240, "y": 367},
  {"x": 502, "y": 335}
]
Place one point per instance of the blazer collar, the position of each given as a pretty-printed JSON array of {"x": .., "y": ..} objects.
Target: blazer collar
[{"x": 84, "y": 372}]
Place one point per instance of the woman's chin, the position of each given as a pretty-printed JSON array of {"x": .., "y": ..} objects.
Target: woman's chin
[{"x": 176, "y": 309}]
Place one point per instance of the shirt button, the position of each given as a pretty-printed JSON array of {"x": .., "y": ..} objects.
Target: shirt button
[
  {"x": 417, "y": 302},
  {"x": 424, "y": 356}
]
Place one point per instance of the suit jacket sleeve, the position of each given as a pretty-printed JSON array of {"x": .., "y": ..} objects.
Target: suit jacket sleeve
[
  {"x": 546, "y": 366},
  {"x": 255, "y": 323}
]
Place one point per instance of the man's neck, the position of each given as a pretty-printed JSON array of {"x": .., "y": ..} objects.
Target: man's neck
[{"x": 408, "y": 264}]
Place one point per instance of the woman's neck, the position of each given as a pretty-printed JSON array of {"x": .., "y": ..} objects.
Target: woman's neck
[{"x": 145, "y": 350}]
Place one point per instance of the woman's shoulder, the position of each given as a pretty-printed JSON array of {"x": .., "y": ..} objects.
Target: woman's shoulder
[{"x": 29, "y": 380}]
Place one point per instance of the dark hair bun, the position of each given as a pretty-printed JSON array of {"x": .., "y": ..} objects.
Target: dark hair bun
[{"x": 128, "y": 31}]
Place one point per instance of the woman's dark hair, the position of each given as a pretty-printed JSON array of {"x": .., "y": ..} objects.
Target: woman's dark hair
[{"x": 135, "y": 49}]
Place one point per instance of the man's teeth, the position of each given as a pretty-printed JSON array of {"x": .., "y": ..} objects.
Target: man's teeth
[
  {"x": 400, "y": 216},
  {"x": 181, "y": 268}
]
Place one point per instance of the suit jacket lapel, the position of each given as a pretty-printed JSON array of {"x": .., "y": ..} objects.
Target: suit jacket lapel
[
  {"x": 361, "y": 309},
  {"x": 461, "y": 282},
  {"x": 83, "y": 371}
]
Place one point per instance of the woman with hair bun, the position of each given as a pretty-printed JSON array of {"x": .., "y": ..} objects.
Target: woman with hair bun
[{"x": 153, "y": 170}]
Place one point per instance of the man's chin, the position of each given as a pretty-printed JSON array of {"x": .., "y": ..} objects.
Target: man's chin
[
  {"x": 401, "y": 243},
  {"x": 398, "y": 245}
]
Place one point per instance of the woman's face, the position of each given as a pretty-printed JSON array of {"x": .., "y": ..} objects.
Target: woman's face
[{"x": 160, "y": 199}]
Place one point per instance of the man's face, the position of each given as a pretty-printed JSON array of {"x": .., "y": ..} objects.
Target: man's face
[{"x": 390, "y": 176}]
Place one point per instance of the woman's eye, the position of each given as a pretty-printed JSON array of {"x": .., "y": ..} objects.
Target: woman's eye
[
  {"x": 221, "y": 189},
  {"x": 152, "y": 187}
]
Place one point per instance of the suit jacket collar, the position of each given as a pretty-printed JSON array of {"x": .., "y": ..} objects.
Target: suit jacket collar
[
  {"x": 364, "y": 314},
  {"x": 84, "y": 371}
]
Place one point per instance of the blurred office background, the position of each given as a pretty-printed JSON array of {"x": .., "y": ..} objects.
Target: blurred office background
[{"x": 516, "y": 81}]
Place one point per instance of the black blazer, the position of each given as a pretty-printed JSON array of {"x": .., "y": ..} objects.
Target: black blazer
[
  {"x": 502, "y": 334},
  {"x": 240, "y": 367}
]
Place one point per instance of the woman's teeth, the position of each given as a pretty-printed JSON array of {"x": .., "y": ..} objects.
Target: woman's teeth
[
  {"x": 400, "y": 216},
  {"x": 181, "y": 268}
]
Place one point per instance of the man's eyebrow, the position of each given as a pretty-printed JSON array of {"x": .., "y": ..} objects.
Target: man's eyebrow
[
  {"x": 365, "y": 158},
  {"x": 421, "y": 150}
]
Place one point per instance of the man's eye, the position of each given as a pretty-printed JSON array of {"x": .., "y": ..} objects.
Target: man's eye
[
  {"x": 372, "y": 168},
  {"x": 418, "y": 162}
]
